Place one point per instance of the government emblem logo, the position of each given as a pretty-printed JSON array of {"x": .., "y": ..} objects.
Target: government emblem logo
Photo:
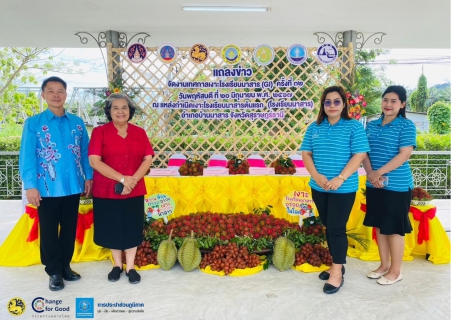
[
  {"x": 198, "y": 53},
  {"x": 167, "y": 52},
  {"x": 137, "y": 53},
  {"x": 327, "y": 53},
  {"x": 297, "y": 54},
  {"x": 264, "y": 55},
  {"x": 16, "y": 306},
  {"x": 231, "y": 54}
]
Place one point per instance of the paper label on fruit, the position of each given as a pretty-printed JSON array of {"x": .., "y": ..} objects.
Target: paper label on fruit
[
  {"x": 261, "y": 171},
  {"x": 159, "y": 205},
  {"x": 302, "y": 172},
  {"x": 298, "y": 203},
  {"x": 216, "y": 171},
  {"x": 163, "y": 172}
]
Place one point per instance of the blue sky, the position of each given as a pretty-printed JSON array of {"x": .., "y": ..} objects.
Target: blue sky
[{"x": 435, "y": 64}]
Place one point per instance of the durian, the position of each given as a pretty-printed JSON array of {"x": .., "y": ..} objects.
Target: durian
[
  {"x": 284, "y": 254},
  {"x": 189, "y": 254},
  {"x": 167, "y": 254}
]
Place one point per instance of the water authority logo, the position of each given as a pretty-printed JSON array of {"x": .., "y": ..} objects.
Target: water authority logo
[
  {"x": 38, "y": 304},
  {"x": 16, "y": 306},
  {"x": 297, "y": 54},
  {"x": 84, "y": 308},
  {"x": 327, "y": 53}
]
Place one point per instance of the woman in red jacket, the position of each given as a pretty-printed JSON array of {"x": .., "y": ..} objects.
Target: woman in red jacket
[{"x": 120, "y": 154}]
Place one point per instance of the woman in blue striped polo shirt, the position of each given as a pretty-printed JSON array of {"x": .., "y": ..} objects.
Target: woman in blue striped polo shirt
[
  {"x": 333, "y": 149},
  {"x": 392, "y": 139}
]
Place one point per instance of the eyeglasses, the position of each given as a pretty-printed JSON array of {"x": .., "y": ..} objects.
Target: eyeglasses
[{"x": 328, "y": 103}]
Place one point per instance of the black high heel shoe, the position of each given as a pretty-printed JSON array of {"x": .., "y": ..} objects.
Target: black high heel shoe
[
  {"x": 325, "y": 275},
  {"x": 329, "y": 289}
]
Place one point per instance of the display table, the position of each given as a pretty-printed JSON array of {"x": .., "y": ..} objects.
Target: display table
[
  {"x": 428, "y": 237},
  {"x": 228, "y": 194}
]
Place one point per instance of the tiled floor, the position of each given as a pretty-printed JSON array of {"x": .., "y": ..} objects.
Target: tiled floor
[{"x": 423, "y": 294}]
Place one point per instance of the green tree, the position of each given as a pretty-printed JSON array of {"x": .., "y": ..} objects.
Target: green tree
[
  {"x": 19, "y": 66},
  {"x": 419, "y": 97},
  {"x": 440, "y": 92},
  {"x": 439, "y": 118}
]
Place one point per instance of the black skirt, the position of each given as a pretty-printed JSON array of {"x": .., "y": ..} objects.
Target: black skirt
[
  {"x": 118, "y": 223},
  {"x": 388, "y": 211}
]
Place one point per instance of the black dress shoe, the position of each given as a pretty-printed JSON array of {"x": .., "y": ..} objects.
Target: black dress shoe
[
  {"x": 56, "y": 282},
  {"x": 115, "y": 274},
  {"x": 329, "y": 289},
  {"x": 133, "y": 276},
  {"x": 70, "y": 275},
  {"x": 325, "y": 275}
]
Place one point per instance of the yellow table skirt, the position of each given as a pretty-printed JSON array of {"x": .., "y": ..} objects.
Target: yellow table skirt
[
  {"x": 230, "y": 194},
  {"x": 437, "y": 247}
]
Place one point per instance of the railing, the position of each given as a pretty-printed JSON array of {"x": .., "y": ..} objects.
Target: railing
[{"x": 431, "y": 171}]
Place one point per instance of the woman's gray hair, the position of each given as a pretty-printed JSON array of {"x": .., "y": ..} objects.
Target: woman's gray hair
[{"x": 115, "y": 96}]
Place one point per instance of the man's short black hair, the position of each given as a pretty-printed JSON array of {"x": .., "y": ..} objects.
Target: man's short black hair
[{"x": 54, "y": 79}]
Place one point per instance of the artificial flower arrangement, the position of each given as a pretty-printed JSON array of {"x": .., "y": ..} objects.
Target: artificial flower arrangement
[
  {"x": 357, "y": 104},
  {"x": 116, "y": 86}
]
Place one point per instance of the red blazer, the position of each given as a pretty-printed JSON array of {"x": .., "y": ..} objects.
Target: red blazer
[{"x": 123, "y": 155}]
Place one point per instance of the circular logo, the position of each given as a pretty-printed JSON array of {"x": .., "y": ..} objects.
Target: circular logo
[
  {"x": 264, "y": 55},
  {"x": 231, "y": 54},
  {"x": 16, "y": 306},
  {"x": 297, "y": 54},
  {"x": 137, "y": 53},
  {"x": 327, "y": 53},
  {"x": 167, "y": 52},
  {"x": 84, "y": 305},
  {"x": 38, "y": 304},
  {"x": 198, "y": 53}
]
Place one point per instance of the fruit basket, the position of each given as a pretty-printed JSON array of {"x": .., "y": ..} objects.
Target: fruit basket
[
  {"x": 420, "y": 197},
  {"x": 283, "y": 165}
]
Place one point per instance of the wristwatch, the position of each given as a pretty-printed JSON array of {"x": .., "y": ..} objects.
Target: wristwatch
[
  {"x": 122, "y": 179},
  {"x": 340, "y": 176}
]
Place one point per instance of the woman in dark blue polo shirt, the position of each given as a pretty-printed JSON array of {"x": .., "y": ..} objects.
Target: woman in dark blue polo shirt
[
  {"x": 333, "y": 149},
  {"x": 392, "y": 139}
]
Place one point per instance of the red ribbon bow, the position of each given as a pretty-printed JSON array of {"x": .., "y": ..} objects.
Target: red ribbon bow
[
  {"x": 423, "y": 217},
  {"x": 84, "y": 222},
  {"x": 34, "y": 231}
]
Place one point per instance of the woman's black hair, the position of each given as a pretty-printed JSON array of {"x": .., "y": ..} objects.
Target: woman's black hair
[
  {"x": 344, "y": 113},
  {"x": 402, "y": 96},
  {"x": 115, "y": 96}
]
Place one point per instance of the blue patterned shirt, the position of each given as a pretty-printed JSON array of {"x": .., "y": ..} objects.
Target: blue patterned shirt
[
  {"x": 385, "y": 142},
  {"x": 54, "y": 154},
  {"x": 332, "y": 146}
]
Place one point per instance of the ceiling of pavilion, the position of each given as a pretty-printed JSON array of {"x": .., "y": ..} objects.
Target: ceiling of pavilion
[{"x": 52, "y": 23}]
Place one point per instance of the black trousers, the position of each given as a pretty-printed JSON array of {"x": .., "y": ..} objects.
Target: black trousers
[
  {"x": 334, "y": 210},
  {"x": 57, "y": 247}
]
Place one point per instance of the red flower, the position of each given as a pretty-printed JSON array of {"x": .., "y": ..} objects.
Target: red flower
[
  {"x": 352, "y": 102},
  {"x": 348, "y": 95}
]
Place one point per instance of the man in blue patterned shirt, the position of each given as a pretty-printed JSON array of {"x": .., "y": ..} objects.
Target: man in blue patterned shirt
[{"x": 54, "y": 167}]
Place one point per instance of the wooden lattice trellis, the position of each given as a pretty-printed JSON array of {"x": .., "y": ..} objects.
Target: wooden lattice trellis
[{"x": 169, "y": 133}]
